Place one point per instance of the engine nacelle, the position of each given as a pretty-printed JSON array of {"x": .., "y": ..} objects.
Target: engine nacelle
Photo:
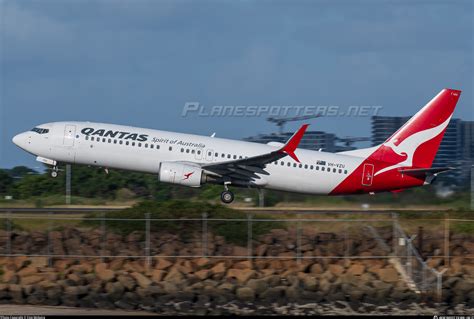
[{"x": 181, "y": 174}]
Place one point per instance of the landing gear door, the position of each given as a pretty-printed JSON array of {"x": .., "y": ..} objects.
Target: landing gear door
[
  {"x": 69, "y": 135},
  {"x": 368, "y": 175}
]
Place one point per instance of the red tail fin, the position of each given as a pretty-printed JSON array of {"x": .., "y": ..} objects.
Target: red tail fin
[{"x": 415, "y": 144}]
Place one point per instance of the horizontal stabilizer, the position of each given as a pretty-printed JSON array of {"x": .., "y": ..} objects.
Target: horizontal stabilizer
[{"x": 425, "y": 171}]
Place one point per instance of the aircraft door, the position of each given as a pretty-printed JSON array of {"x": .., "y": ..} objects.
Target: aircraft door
[
  {"x": 69, "y": 135},
  {"x": 368, "y": 175},
  {"x": 198, "y": 154},
  {"x": 209, "y": 155}
]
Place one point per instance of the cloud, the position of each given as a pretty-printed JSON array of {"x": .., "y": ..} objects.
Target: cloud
[{"x": 138, "y": 62}]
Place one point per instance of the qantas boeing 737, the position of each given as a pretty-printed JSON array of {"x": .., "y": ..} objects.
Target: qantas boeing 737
[{"x": 404, "y": 160}]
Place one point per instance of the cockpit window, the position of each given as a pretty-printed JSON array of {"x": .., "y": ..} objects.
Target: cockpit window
[{"x": 40, "y": 130}]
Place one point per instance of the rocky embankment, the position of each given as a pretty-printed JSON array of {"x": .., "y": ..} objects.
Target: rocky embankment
[{"x": 218, "y": 286}]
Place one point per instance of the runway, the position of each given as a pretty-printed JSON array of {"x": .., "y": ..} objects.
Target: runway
[{"x": 255, "y": 210}]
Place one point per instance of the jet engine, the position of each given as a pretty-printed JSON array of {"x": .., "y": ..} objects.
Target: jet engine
[{"x": 181, "y": 174}]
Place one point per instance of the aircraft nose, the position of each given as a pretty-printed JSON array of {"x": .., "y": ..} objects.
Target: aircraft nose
[
  {"x": 16, "y": 139},
  {"x": 19, "y": 140}
]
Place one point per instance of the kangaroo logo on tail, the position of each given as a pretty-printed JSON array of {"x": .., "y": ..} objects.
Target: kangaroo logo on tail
[
  {"x": 409, "y": 146},
  {"x": 416, "y": 143}
]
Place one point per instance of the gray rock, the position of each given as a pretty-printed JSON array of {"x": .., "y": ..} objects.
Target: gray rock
[
  {"x": 310, "y": 283},
  {"x": 245, "y": 294},
  {"x": 124, "y": 305},
  {"x": 258, "y": 285},
  {"x": 115, "y": 289},
  {"x": 69, "y": 300},
  {"x": 292, "y": 293},
  {"x": 273, "y": 294},
  {"x": 76, "y": 290},
  {"x": 128, "y": 282}
]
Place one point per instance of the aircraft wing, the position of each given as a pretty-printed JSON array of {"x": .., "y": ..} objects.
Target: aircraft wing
[{"x": 246, "y": 169}]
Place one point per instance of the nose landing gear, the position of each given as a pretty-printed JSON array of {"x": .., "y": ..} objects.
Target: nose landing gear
[{"x": 227, "y": 196}]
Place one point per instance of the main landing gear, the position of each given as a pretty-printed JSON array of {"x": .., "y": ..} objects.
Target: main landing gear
[
  {"x": 54, "y": 172},
  {"x": 227, "y": 196}
]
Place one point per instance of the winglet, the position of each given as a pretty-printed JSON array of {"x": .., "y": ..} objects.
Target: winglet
[{"x": 293, "y": 143}]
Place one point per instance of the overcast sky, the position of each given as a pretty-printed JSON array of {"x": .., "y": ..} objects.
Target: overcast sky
[{"x": 138, "y": 62}]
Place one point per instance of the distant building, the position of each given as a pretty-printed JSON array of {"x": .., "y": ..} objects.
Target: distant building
[
  {"x": 384, "y": 126},
  {"x": 312, "y": 140},
  {"x": 456, "y": 149},
  {"x": 467, "y": 136}
]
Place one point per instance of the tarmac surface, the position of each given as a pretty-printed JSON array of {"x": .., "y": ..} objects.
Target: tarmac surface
[{"x": 25, "y": 310}]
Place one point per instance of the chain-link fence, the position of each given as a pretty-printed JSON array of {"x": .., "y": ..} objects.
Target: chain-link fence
[
  {"x": 414, "y": 268},
  {"x": 301, "y": 238}
]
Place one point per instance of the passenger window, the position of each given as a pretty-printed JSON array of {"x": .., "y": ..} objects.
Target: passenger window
[
  {"x": 306, "y": 166},
  {"x": 193, "y": 151},
  {"x": 322, "y": 169},
  {"x": 133, "y": 143},
  {"x": 182, "y": 150},
  {"x": 340, "y": 171},
  {"x": 228, "y": 155},
  {"x": 127, "y": 143},
  {"x": 317, "y": 168},
  {"x": 216, "y": 155},
  {"x": 333, "y": 170},
  {"x": 294, "y": 164},
  {"x": 311, "y": 167},
  {"x": 157, "y": 147},
  {"x": 288, "y": 164},
  {"x": 115, "y": 141},
  {"x": 152, "y": 146},
  {"x": 110, "y": 141},
  {"x": 235, "y": 156},
  {"x": 120, "y": 142},
  {"x": 92, "y": 138},
  {"x": 282, "y": 163},
  {"x": 146, "y": 145},
  {"x": 301, "y": 165},
  {"x": 103, "y": 139},
  {"x": 171, "y": 148},
  {"x": 345, "y": 171},
  {"x": 87, "y": 137},
  {"x": 223, "y": 155},
  {"x": 187, "y": 150},
  {"x": 139, "y": 144},
  {"x": 199, "y": 152}
]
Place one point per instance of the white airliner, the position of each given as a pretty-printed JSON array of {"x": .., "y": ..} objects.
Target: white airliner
[{"x": 403, "y": 161}]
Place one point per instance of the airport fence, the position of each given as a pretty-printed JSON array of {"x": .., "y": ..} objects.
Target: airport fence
[{"x": 302, "y": 238}]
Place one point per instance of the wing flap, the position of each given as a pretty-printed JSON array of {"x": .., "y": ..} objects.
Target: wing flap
[{"x": 248, "y": 168}]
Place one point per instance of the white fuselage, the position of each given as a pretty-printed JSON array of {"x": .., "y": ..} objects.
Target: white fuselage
[{"x": 105, "y": 145}]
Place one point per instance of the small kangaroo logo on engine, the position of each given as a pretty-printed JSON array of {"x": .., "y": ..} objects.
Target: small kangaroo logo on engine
[{"x": 187, "y": 176}]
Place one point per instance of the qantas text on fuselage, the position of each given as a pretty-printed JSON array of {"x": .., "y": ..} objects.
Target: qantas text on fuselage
[{"x": 404, "y": 160}]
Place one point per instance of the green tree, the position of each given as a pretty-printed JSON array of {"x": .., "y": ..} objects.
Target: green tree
[{"x": 6, "y": 182}]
